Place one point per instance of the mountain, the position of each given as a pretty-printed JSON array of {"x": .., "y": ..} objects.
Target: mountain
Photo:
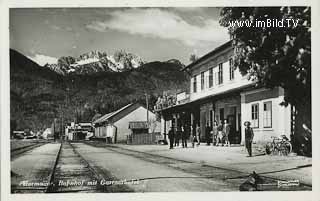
[
  {"x": 95, "y": 61},
  {"x": 38, "y": 94}
]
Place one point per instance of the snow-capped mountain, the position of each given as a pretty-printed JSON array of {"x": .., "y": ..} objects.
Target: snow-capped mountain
[{"x": 96, "y": 61}]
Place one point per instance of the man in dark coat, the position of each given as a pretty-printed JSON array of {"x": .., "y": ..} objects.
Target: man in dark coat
[
  {"x": 177, "y": 136},
  {"x": 248, "y": 137},
  {"x": 171, "y": 137},
  {"x": 207, "y": 132},
  {"x": 184, "y": 135}
]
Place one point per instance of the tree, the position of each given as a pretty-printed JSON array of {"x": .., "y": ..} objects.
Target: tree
[
  {"x": 275, "y": 56},
  {"x": 193, "y": 58}
]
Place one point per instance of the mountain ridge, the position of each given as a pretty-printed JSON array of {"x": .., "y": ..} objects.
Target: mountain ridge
[
  {"x": 38, "y": 94},
  {"x": 96, "y": 61}
]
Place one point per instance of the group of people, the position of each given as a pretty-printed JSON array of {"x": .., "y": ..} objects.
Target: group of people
[{"x": 218, "y": 134}]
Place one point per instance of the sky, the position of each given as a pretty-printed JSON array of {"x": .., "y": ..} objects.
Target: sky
[{"x": 154, "y": 34}]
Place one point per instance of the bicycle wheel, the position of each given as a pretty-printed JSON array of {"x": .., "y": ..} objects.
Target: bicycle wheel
[
  {"x": 269, "y": 148},
  {"x": 288, "y": 146},
  {"x": 285, "y": 148}
]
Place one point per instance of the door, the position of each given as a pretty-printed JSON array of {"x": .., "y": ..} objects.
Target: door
[
  {"x": 239, "y": 128},
  {"x": 232, "y": 122},
  {"x": 203, "y": 121},
  {"x": 221, "y": 113}
]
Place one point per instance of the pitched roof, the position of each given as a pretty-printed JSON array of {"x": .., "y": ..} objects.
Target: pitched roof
[
  {"x": 111, "y": 114},
  {"x": 213, "y": 52}
]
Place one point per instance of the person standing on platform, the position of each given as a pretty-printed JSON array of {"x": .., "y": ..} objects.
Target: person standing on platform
[
  {"x": 220, "y": 133},
  {"x": 214, "y": 133},
  {"x": 198, "y": 134},
  {"x": 177, "y": 136},
  {"x": 184, "y": 133},
  {"x": 226, "y": 130},
  {"x": 171, "y": 137},
  {"x": 193, "y": 135},
  {"x": 207, "y": 133},
  {"x": 248, "y": 137}
]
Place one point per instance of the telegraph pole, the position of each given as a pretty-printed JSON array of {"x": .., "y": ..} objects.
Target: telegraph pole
[{"x": 147, "y": 102}]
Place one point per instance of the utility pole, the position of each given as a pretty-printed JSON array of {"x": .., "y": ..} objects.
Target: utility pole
[{"x": 147, "y": 102}]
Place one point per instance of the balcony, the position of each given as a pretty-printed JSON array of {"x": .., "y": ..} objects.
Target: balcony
[{"x": 167, "y": 101}]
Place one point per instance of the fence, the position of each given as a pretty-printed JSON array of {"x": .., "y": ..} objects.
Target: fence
[{"x": 144, "y": 138}]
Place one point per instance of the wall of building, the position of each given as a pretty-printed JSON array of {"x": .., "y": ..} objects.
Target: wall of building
[
  {"x": 280, "y": 115},
  {"x": 100, "y": 132},
  {"x": 205, "y": 110},
  {"x": 140, "y": 114},
  {"x": 227, "y": 84}
]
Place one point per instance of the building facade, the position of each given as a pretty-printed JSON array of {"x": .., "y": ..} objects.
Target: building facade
[
  {"x": 116, "y": 124},
  {"x": 220, "y": 92}
]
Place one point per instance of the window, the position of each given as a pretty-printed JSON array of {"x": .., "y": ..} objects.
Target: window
[
  {"x": 195, "y": 84},
  {"x": 267, "y": 114},
  {"x": 220, "y": 74},
  {"x": 202, "y": 80},
  {"x": 255, "y": 115},
  {"x": 216, "y": 78},
  {"x": 211, "y": 117},
  {"x": 210, "y": 77},
  {"x": 231, "y": 69}
]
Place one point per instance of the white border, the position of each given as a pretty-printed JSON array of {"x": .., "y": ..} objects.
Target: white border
[{"x": 5, "y": 109}]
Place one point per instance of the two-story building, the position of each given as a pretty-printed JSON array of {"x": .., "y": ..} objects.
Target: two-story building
[{"x": 218, "y": 91}]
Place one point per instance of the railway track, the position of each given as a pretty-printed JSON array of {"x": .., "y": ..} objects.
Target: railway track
[
  {"x": 69, "y": 173},
  {"x": 72, "y": 174},
  {"x": 20, "y": 150}
]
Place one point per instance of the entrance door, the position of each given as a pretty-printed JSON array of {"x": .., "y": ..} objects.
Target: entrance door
[
  {"x": 221, "y": 114},
  {"x": 232, "y": 123},
  {"x": 203, "y": 121}
]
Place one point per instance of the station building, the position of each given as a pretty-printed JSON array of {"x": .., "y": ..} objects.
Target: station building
[{"x": 218, "y": 91}]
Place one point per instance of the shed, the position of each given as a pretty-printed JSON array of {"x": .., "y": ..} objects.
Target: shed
[{"x": 116, "y": 124}]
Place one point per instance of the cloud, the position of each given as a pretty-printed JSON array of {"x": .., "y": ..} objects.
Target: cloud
[
  {"x": 55, "y": 27},
  {"x": 43, "y": 59},
  {"x": 188, "y": 9},
  {"x": 159, "y": 23}
]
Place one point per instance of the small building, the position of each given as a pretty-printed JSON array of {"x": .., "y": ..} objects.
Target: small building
[
  {"x": 115, "y": 125},
  {"x": 18, "y": 134},
  {"x": 47, "y": 134},
  {"x": 79, "y": 131}
]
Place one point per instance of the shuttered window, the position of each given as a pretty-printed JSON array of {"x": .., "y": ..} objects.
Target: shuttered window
[
  {"x": 255, "y": 115},
  {"x": 231, "y": 69},
  {"x": 202, "y": 80},
  {"x": 220, "y": 74},
  {"x": 267, "y": 114},
  {"x": 195, "y": 84},
  {"x": 210, "y": 77}
]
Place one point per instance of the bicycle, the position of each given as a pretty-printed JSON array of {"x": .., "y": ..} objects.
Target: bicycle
[{"x": 279, "y": 146}]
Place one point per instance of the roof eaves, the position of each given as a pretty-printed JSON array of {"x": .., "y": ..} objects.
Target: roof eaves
[
  {"x": 224, "y": 45},
  {"x": 111, "y": 114}
]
